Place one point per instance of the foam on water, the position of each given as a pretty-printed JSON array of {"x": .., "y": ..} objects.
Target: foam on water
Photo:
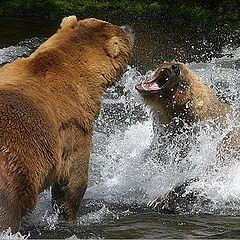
[
  {"x": 7, "y": 235},
  {"x": 124, "y": 175},
  {"x": 22, "y": 49}
]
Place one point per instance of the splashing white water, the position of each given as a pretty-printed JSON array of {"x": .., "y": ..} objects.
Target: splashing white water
[
  {"x": 22, "y": 49},
  {"x": 123, "y": 174},
  {"x": 7, "y": 235}
]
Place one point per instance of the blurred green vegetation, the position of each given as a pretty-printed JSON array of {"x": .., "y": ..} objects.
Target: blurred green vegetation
[{"x": 227, "y": 11}]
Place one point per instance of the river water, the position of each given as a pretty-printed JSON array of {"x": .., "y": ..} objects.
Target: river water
[{"x": 122, "y": 178}]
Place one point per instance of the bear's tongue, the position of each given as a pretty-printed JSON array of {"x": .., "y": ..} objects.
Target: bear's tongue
[
  {"x": 154, "y": 84},
  {"x": 150, "y": 86}
]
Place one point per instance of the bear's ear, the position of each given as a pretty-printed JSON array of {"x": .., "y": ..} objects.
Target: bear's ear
[
  {"x": 112, "y": 47},
  {"x": 70, "y": 21}
]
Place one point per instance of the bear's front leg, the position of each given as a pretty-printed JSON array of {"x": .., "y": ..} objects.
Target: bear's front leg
[
  {"x": 67, "y": 196},
  {"x": 68, "y": 192}
]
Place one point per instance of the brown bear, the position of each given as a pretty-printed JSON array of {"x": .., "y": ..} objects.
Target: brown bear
[
  {"x": 175, "y": 90},
  {"x": 48, "y": 102},
  {"x": 182, "y": 103}
]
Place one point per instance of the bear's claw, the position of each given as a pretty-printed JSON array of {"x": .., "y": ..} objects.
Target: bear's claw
[
  {"x": 153, "y": 203},
  {"x": 176, "y": 200}
]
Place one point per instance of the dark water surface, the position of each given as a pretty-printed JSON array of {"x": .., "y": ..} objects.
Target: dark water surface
[
  {"x": 122, "y": 179},
  {"x": 14, "y": 30}
]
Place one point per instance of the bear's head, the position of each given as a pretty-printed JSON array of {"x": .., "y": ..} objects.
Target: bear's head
[
  {"x": 116, "y": 40},
  {"x": 171, "y": 84},
  {"x": 100, "y": 47},
  {"x": 97, "y": 51},
  {"x": 173, "y": 91}
]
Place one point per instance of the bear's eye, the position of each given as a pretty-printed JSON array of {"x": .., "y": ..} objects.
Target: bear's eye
[
  {"x": 175, "y": 69},
  {"x": 183, "y": 85}
]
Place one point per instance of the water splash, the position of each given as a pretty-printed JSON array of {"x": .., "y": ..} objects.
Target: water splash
[
  {"x": 22, "y": 49},
  {"x": 122, "y": 172},
  {"x": 8, "y": 235}
]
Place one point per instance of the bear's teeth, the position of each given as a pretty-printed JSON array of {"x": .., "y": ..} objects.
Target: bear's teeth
[{"x": 142, "y": 84}]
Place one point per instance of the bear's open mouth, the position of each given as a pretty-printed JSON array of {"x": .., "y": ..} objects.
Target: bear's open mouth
[{"x": 156, "y": 83}]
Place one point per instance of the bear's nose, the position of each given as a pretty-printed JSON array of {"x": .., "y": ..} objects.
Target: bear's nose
[
  {"x": 175, "y": 69},
  {"x": 128, "y": 29}
]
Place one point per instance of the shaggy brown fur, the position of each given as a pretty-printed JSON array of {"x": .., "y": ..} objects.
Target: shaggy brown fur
[{"x": 48, "y": 103}]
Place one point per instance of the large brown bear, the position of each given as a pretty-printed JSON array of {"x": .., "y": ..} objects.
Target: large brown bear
[
  {"x": 182, "y": 103},
  {"x": 48, "y": 103}
]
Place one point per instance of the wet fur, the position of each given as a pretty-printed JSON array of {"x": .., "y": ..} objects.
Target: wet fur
[
  {"x": 48, "y": 103},
  {"x": 185, "y": 108}
]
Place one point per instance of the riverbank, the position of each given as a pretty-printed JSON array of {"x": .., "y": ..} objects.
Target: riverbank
[{"x": 220, "y": 12}]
